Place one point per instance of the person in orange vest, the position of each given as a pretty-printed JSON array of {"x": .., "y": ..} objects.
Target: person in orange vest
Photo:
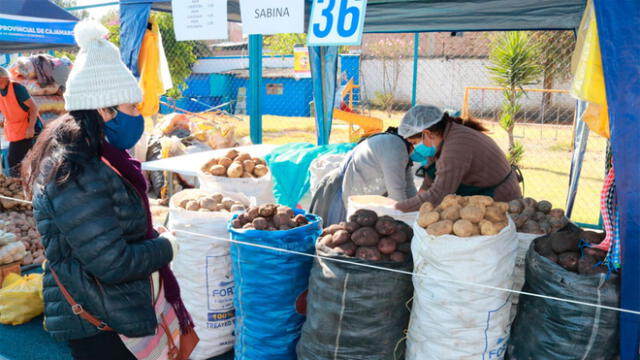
[{"x": 20, "y": 118}]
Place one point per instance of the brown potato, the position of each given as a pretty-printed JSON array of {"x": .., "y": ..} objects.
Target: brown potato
[
  {"x": 260, "y": 170},
  {"x": 475, "y": 231},
  {"x": 401, "y": 236},
  {"x": 365, "y": 236},
  {"x": 252, "y": 213},
  {"x": 488, "y": 228},
  {"x": 226, "y": 162},
  {"x": 564, "y": 241},
  {"x": 218, "y": 170},
  {"x": 331, "y": 229},
  {"x": 463, "y": 228},
  {"x": 557, "y": 213},
  {"x": 597, "y": 254},
  {"x": 443, "y": 227},
  {"x": 259, "y": 161},
  {"x": 592, "y": 237},
  {"x": 386, "y": 225},
  {"x": 192, "y": 205},
  {"x": 347, "y": 249},
  {"x": 473, "y": 213},
  {"x": 260, "y": 223},
  {"x": 231, "y": 154},
  {"x": 183, "y": 203},
  {"x": 481, "y": 200},
  {"x": 281, "y": 219},
  {"x": 242, "y": 157},
  {"x": 530, "y": 202},
  {"x": 209, "y": 164},
  {"x": 227, "y": 203},
  {"x": 450, "y": 200},
  {"x": 235, "y": 170},
  {"x": 451, "y": 213},
  {"x": 397, "y": 257},
  {"x": 267, "y": 210},
  {"x": 539, "y": 216},
  {"x": 426, "y": 219},
  {"x": 515, "y": 206},
  {"x": 340, "y": 237},
  {"x": 426, "y": 207},
  {"x": 248, "y": 166},
  {"x": 326, "y": 240},
  {"x": 503, "y": 206},
  {"x": 351, "y": 226},
  {"x": 368, "y": 253},
  {"x": 495, "y": 214},
  {"x": 300, "y": 220},
  {"x": 208, "y": 203},
  {"x": 366, "y": 217},
  {"x": 531, "y": 227},
  {"x": 387, "y": 245},
  {"x": 237, "y": 224},
  {"x": 569, "y": 260},
  {"x": 544, "y": 206},
  {"x": 285, "y": 210}
]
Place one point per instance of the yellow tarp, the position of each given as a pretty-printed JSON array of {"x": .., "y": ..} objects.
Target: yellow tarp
[
  {"x": 20, "y": 298},
  {"x": 149, "y": 68}
]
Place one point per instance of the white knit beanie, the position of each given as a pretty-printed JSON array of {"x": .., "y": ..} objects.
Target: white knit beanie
[{"x": 99, "y": 78}]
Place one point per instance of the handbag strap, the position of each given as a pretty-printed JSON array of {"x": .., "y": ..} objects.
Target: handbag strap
[{"x": 77, "y": 308}]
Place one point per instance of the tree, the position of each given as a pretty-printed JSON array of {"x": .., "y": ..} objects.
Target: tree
[
  {"x": 180, "y": 54},
  {"x": 514, "y": 64},
  {"x": 556, "y": 48},
  {"x": 80, "y": 14},
  {"x": 283, "y": 44}
]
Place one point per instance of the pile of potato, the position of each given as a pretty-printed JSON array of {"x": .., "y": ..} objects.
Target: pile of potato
[
  {"x": 236, "y": 165},
  {"x": 269, "y": 217},
  {"x": 369, "y": 237},
  {"x": 23, "y": 226},
  {"x": 11, "y": 187},
  {"x": 464, "y": 216},
  {"x": 210, "y": 203},
  {"x": 536, "y": 217},
  {"x": 12, "y": 252},
  {"x": 563, "y": 248}
]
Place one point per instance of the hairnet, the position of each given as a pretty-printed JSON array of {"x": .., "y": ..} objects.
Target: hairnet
[{"x": 418, "y": 118}]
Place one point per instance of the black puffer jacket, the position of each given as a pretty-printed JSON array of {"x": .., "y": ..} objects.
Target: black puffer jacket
[{"x": 93, "y": 231}]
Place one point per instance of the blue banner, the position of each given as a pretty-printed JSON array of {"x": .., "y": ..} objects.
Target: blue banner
[{"x": 50, "y": 32}]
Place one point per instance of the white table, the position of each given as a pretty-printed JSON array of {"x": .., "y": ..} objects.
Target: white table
[{"x": 189, "y": 165}]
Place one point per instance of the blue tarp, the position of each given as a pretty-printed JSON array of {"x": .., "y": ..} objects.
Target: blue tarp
[
  {"x": 618, "y": 23},
  {"x": 34, "y": 24}
]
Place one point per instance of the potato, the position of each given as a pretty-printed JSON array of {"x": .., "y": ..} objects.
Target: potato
[
  {"x": 267, "y": 210},
  {"x": 260, "y": 170},
  {"x": 451, "y": 213},
  {"x": 259, "y": 161},
  {"x": 592, "y": 237},
  {"x": 281, "y": 219},
  {"x": 488, "y": 228},
  {"x": 209, "y": 164},
  {"x": 231, "y": 154},
  {"x": 218, "y": 170},
  {"x": 386, "y": 225},
  {"x": 368, "y": 253},
  {"x": 520, "y": 220},
  {"x": 242, "y": 157},
  {"x": 426, "y": 207},
  {"x": 208, "y": 203},
  {"x": 325, "y": 240},
  {"x": 545, "y": 227},
  {"x": 227, "y": 203},
  {"x": 531, "y": 227},
  {"x": 397, "y": 257},
  {"x": 404, "y": 247},
  {"x": 387, "y": 245},
  {"x": 260, "y": 223},
  {"x": 495, "y": 214},
  {"x": 557, "y": 223},
  {"x": 192, "y": 205},
  {"x": 237, "y": 224},
  {"x": 472, "y": 213},
  {"x": 347, "y": 249},
  {"x": 515, "y": 206},
  {"x": 557, "y": 213},
  {"x": 564, "y": 241},
  {"x": 351, "y": 226},
  {"x": 340, "y": 237},
  {"x": 569, "y": 260},
  {"x": 530, "y": 202},
  {"x": 365, "y": 236},
  {"x": 285, "y": 210},
  {"x": 331, "y": 229},
  {"x": 450, "y": 200},
  {"x": 539, "y": 216},
  {"x": 366, "y": 217},
  {"x": 463, "y": 228},
  {"x": 235, "y": 170},
  {"x": 300, "y": 220},
  {"x": 252, "y": 213},
  {"x": 597, "y": 254},
  {"x": 475, "y": 230},
  {"x": 401, "y": 236},
  {"x": 481, "y": 200},
  {"x": 183, "y": 203},
  {"x": 443, "y": 227},
  {"x": 586, "y": 264},
  {"x": 544, "y": 206},
  {"x": 529, "y": 212},
  {"x": 225, "y": 161},
  {"x": 426, "y": 219}
]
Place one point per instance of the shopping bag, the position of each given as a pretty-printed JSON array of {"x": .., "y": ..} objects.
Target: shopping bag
[{"x": 20, "y": 299}]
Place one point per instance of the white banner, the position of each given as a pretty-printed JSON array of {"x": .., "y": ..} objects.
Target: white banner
[
  {"x": 336, "y": 22},
  {"x": 200, "y": 19},
  {"x": 272, "y": 17}
]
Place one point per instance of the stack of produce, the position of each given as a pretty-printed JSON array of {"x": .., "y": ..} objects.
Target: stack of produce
[
  {"x": 12, "y": 188},
  {"x": 236, "y": 165},
  {"x": 269, "y": 217},
  {"x": 210, "y": 203},
  {"x": 563, "y": 248},
  {"x": 464, "y": 216},
  {"x": 11, "y": 250},
  {"x": 22, "y": 225},
  {"x": 369, "y": 237},
  {"x": 536, "y": 217}
]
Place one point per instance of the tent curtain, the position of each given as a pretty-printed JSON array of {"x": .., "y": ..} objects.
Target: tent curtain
[
  {"x": 324, "y": 66},
  {"x": 619, "y": 45},
  {"x": 133, "y": 24},
  {"x": 581, "y": 137}
]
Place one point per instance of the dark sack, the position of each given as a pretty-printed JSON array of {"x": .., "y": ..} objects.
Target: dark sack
[
  {"x": 355, "y": 312},
  {"x": 552, "y": 329}
]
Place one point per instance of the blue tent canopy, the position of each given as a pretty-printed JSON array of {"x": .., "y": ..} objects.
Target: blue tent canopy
[{"x": 34, "y": 24}]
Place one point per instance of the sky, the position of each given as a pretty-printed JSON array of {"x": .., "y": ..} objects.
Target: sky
[{"x": 97, "y": 12}]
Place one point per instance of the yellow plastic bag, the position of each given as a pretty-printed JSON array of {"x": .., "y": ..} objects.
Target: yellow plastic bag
[{"x": 20, "y": 299}]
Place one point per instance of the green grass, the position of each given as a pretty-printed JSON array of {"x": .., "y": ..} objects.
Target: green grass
[{"x": 546, "y": 162}]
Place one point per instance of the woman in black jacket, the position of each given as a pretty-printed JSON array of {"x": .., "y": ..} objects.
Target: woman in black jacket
[{"x": 90, "y": 207}]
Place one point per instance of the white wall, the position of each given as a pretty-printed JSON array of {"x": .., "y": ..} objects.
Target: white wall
[{"x": 221, "y": 64}]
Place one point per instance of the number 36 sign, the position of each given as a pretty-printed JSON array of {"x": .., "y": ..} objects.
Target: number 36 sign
[{"x": 336, "y": 22}]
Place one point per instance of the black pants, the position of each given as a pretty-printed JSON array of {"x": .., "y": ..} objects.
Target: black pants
[
  {"x": 104, "y": 346},
  {"x": 17, "y": 151}
]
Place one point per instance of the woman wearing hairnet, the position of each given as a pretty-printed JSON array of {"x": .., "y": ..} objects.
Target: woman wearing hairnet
[
  {"x": 467, "y": 161},
  {"x": 378, "y": 165}
]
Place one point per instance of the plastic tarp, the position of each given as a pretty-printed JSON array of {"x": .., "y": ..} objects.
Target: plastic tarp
[
  {"x": 290, "y": 164},
  {"x": 34, "y": 24},
  {"x": 620, "y": 46},
  {"x": 324, "y": 65},
  {"x": 581, "y": 136}
]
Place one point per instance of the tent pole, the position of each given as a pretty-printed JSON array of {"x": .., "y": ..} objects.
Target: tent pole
[
  {"x": 255, "y": 88},
  {"x": 416, "y": 54}
]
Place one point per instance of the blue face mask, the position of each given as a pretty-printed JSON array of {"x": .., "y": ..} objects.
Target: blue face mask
[
  {"x": 124, "y": 130},
  {"x": 421, "y": 153}
]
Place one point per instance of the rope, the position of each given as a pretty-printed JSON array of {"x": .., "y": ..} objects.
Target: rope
[{"x": 14, "y": 199}]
